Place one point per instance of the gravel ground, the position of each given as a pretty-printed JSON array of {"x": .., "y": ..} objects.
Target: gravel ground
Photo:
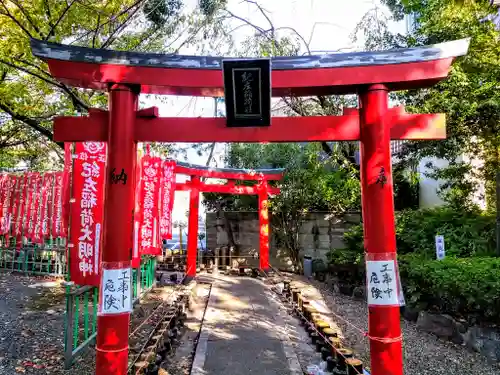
[
  {"x": 424, "y": 354},
  {"x": 180, "y": 359},
  {"x": 31, "y": 324}
]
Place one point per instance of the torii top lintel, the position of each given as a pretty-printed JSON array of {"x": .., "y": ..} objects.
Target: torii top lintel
[
  {"x": 229, "y": 173},
  {"x": 340, "y": 73}
]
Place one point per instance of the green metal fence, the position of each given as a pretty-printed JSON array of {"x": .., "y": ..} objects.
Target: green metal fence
[
  {"x": 81, "y": 310},
  {"x": 34, "y": 260}
]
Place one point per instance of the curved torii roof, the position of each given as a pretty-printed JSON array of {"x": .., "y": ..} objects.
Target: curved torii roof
[
  {"x": 229, "y": 173},
  {"x": 339, "y": 73}
]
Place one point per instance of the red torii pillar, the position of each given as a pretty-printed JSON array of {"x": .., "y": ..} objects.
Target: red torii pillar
[
  {"x": 194, "y": 209},
  {"x": 195, "y": 186},
  {"x": 371, "y": 76},
  {"x": 263, "y": 226}
]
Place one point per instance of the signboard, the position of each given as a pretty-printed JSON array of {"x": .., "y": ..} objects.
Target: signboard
[
  {"x": 247, "y": 90},
  {"x": 116, "y": 291},
  {"x": 440, "y": 252},
  {"x": 382, "y": 283},
  {"x": 87, "y": 212}
]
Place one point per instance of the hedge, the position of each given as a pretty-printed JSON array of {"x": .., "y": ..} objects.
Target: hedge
[
  {"x": 467, "y": 288},
  {"x": 465, "y": 233},
  {"x": 466, "y": 284}
]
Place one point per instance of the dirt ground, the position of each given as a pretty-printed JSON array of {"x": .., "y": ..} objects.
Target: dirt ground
[
  {"x": 31, "y": 324},
  {"x": 32, "y": 311}
]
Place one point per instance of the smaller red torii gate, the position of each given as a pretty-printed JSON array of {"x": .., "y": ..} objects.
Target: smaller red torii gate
[{"x": 196, "y": 185}]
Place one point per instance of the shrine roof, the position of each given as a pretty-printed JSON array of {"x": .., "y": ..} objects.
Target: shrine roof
[{"x": 202, "y": 75}]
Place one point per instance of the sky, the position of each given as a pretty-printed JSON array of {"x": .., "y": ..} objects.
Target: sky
[{"x": 326, "y": 25}]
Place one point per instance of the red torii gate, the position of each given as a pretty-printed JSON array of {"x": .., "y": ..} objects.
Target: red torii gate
[
  {"x": 370, "y": 75},
  {"x": 195, "y": 186}
]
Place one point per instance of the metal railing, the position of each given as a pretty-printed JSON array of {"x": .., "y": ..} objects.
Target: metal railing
[
  {"x": 82, "y": 305},
  {"x": 34, "y": 260}
]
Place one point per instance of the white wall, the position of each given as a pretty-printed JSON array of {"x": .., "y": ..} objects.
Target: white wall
[{"x": 428, "y": 194}]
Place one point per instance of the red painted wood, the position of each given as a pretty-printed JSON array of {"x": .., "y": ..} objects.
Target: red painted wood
[
  {"x": 192, "y": 251},
  {"x": 282, "y": 129},
  {"x": 112, "y": 330},
  {"x": 263, "y": 228},
  {"x": 378, "y": 223},
  {"x": 199, "y": 82},
  {"x": 225, "y": 189},
  {"x": 151, "y": 112},
  {"x": 227, "y": 175}
]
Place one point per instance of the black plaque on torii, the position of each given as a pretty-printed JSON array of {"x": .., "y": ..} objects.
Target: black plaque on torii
[{"x": 247, "y": 90}]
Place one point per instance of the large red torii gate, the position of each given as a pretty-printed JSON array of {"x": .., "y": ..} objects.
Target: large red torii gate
[
  {"x": 370, "y": 75},
  {"x": 195, "y": 186}
]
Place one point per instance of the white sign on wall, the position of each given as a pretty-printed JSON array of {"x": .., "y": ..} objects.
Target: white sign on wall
[
  {"x": 440, "y": 252},
  {"x": 116, "y": 291},
  {"x": 382, "y": 282}
]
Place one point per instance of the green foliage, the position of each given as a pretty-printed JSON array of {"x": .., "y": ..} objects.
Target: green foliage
[
  {"x": 466, "y": 234},
  {"x": 469, "y": 97},
  {"x": 30, "y": 98},
  {"x": 406, "y": 187},
  {"x": 210, "y": 7},
  {"x": 464, "y": 284},
  {"x": 160, "y": 12},
  {"x": 318, "y": 265},
  {"x": 311, "y": 183},
  {"x": 462, "y": 287}
]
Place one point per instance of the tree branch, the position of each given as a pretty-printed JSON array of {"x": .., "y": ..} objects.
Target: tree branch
[
  {"x": 46, "y": 80},
  {"x": 119, "y": 28},
  {"x": 258, "y": 28},
  {"x": 28, "y": 18},
  {"x": 59, "y": 19},
  {"x": 7, "y": 13},
  {"x": 77, "y": 102},
  {"x": 298, "y": 35},
  {"x": 110, "y": 20},
  {"x": 96, "y": 31},
  {"x": 30, "y": 122}
]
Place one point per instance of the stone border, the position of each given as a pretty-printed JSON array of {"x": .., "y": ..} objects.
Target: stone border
[
  {"x": 290, "y": 354},
  {"x": 201, "y": 346}
]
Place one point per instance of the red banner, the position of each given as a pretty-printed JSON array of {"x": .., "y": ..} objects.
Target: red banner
[
  {"x": 39, "y": 235},
  {"x": 21, "y": 210},
  {"x": 7, "y": 197},
  {"x": 65, "y": 188},
  {"x": 149, "y": 193},
  {"x": 48, "y": 182},
  {"x": 167, "y": 194},
  {"x": 10, "y": 199},
  {"x": 136, "y": 256},
  {"x": 34, "y": 191},
  {"x": 87, "y": 212},
  {"x": 3, "y": 185},
  {"x": 58, "y": 205},
  {"x": 15, "y": 205}
]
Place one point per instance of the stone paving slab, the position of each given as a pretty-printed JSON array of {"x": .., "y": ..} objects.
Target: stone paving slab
[{"x": 243, "y": 332}]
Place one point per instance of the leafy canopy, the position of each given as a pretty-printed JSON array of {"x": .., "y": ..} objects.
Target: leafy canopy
[{"x": 469, "y": 97}]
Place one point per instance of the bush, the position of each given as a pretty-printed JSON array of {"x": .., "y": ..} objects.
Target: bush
[
  {"x": 465, "y": 288},
  {"x": 466, "y": 284},
  {"x": 466, "y": 233}
]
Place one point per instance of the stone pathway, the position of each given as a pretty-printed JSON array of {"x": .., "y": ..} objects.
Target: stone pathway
[{"x": 243, "y": 332}]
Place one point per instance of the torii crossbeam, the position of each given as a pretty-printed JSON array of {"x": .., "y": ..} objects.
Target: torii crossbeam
[
  {"x": 195, "y": 186},
  {"x": 370, "y": 75}
]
